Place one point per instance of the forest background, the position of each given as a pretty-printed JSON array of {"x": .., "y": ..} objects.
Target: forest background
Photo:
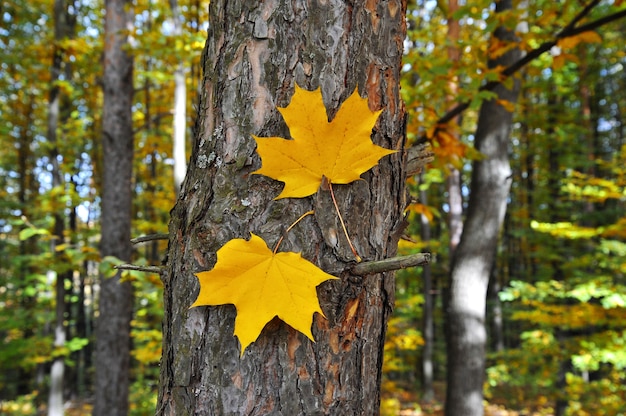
[{"x": 556, "y": 301}]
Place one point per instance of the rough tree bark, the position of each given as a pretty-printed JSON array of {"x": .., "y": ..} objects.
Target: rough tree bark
[
  {"x": 255, "y": 53},
  {"x": 466, "y": 335},
  {"x": 116, "y": 298}
]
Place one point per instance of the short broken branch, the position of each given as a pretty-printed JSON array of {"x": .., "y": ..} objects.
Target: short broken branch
[
  {"x": 134, "y": 267},
  {"x": 418, "y": 156},
  {"x": 149, "y": 237},
  {"x": 387, "y": 265}
]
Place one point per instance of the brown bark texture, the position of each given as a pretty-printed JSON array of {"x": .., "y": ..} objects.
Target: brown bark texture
[
  {"x": 116, "y": 298},
  {"x": 256, "y": 52},
  {"x": 473, "y": 258}
]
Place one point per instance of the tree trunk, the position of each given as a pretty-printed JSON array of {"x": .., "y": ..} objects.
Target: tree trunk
[
  {"x": 555, "y": 208},
  {"x": 453, "y": 181},
  {"x": 116, "y": 298},
  {"x": 495, "y": 310},
  {"x": 255, "y": 53},
  {"x": 27, "y": 189},
  {"x": 180, "y": 107},
  {"x": 57, "y": 369},
  {"x": 474, "y": 256},
  {"x": 428, "y": 312},
  {"x": 81, "y": 357},
  {"x": 58, "y": 111}
]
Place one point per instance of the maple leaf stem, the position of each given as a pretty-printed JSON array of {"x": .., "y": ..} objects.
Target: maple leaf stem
[
  {"x": 280, "y": 240},
  {"x": 343, "y": 225}
]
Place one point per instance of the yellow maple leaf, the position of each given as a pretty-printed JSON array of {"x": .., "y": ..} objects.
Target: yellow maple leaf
[
  {"x": 585, "y": 37},
  {"x": 340, "y": 150},
  {"x": 422, "y": 209},
  {"x": 508, "y": 105},
  {"x": 262, "y": 284}
]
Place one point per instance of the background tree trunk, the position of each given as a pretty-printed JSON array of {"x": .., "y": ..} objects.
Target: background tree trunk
[
  {"x": 428, "y": 311},
  {"x": 474, "y": 256},
  {"x": 57, "y": 111},
  {"x": 180, "y": 106},
  {"x": 116, "y": 298},
  {"x": 255, "y": 54},
  {"x": 454, "y": 179}
]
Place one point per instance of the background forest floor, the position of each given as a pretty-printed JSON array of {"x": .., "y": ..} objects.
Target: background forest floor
[
  {"x": 402, "y": 402},
  {"x": 434, "y": 408}
]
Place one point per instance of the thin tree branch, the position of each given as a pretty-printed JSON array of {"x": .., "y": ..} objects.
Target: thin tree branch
[
  {"x": 567, "y": 32},
  {"x": 597, "y": 23},
  {"x": 387, "y": 265},
  {"x": 361, "y": 269},
  {"x": 584, "y": 12},
  {"x": 149, "y": 237},
  {"x": 147, "y": 269}
]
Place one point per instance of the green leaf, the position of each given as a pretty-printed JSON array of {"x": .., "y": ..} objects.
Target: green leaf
[
  {"x": 107, "y": 266},
  {"x": 76, "y": 344},
  {"x": 27, "y": 233}
]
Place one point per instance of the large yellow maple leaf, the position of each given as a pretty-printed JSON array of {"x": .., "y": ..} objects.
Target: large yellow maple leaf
[
  {"x": 262, "y": 284},
  {"x": 340, "y": 150}
]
